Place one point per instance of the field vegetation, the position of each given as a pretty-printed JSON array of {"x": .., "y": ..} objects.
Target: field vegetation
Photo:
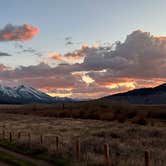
[
  {"x": 97, "y": 109},
  {"x": 127, "y": 141},
  {"x": 129, "y": 131}
]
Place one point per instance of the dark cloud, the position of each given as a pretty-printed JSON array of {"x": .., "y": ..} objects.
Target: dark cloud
[
  {"x": 36, "y": 76},
  {"x": 141, "y": 55},
  {"x": 140, "y": 58},
  {"x": 76, "y": 55},
  {"x": 68, "y": 41},
  {"x": 18, "y": 32},
  {"x": 68, "y": 38},
  {"x": 18, "y": 45},
  {"x": 29, "y": 50},
  {"x": 5, "y": 54}
]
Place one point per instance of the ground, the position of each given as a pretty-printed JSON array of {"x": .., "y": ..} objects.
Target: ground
[{"x": 127, "y": 141}]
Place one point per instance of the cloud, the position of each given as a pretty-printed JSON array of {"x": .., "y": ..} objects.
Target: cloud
[
  {"x": 28, "y": 50},
  {"x": 139, "y": 61},
  {"x": 68, "y": 41},
  {"x": 56, "y": 56},
  {"x": 140, "y": 56},
  {"x": 18, "y": 32},
  {"x": 3, "y": 67},
  {"x": 68, "y": 38},
  {"x": 76, "y": 55},
  {"x": 5, "y": 54},
  {"x": 36, "y": 75}
]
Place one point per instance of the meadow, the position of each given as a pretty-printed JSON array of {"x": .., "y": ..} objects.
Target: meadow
[
  {"x": 105, "y": 110},
  {"x": 129, "y": 131}
]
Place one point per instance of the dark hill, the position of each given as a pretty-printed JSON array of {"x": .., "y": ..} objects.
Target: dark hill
[{"x": 156, "y": 95}]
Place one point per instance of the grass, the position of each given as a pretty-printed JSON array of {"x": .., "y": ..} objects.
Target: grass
[
  {"x": 128, "y": 129},
  {"x": 55, "y": 159},
  {"x": 23, "y": 148},
  {"x": 96, "y": 109},
  {"x": 127, "y": 141},
  {"x": 10, "y": 159},
  {"x": 35, "y": 152}
]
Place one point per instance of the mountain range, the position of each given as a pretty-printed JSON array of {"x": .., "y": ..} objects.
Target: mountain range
[
  {"x": 156, "y": 95},
  {"x": 24, "y": 94}
]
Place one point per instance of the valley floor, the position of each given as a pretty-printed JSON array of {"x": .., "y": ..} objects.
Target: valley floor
[{"x": 127, "y": 141}]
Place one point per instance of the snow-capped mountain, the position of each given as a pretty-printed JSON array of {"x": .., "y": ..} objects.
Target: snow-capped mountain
[{"x": 24, "y": 94}]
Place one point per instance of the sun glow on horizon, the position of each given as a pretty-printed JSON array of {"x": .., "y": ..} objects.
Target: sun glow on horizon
[
  {"x": 116, "y": 85},
  {"x": 59, "y": 94}
]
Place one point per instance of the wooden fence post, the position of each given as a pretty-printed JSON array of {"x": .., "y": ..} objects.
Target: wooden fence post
[
  {"x": 78, "y": 149},
  {"x": 107, "y": 154},
  {"x": 57, "y": 143},
  {"x": 29, "y": 138},
  {"x": 10, "y": 136},
  {"x": 63, "y": 106},
  {"x": 19, "y": 135},
  {"x": 41, "y": 140},
  {"x": 146, "y": 158},
  {"x": 3, "y": 134}
]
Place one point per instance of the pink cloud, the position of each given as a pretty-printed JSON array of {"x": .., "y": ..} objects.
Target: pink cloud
[
  {"x": 3, "y": 67},
  {"x": 18, "y": 33}
]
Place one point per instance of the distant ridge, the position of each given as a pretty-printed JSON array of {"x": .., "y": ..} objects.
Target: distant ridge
[
  {"x": 25, "y": 94},
  {"x": 156, "y": 95}
]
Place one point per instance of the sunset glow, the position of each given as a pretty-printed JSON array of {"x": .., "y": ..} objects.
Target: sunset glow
[{"x": 116, "y": 85}]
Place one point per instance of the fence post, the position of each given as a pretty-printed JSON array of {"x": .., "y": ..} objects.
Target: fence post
[
  {"x": 57, "y": 143},
  {"x": 146, "y": 158},
  {"x": 29, "y": 138},
  {"x": 107, "y": 154},
  {"x": 3, "y": 134},
  {"x": 10, "y": 136},
  {"x": 41, "y": 140},
  {"x": 63, "y": 106},
  {"x": 78, "y": 149},
  {"x": 19, "y": 135}
]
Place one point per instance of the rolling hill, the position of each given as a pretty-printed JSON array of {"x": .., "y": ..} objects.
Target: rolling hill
[{"x": 156, "y": 95}]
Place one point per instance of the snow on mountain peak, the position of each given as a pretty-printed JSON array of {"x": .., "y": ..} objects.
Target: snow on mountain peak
[{"x": 24, "y": 94}]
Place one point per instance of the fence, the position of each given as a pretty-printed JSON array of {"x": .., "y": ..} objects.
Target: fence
[{"x": 107, "y": 160}]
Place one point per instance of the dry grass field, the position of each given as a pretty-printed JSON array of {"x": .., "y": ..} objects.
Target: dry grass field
[
  {"x": 129, "y": 130},
  {"x": 127, "y": 141},
  {"x": 98, "y": 109}
]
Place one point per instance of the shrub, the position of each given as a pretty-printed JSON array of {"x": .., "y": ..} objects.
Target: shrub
[{"x": 140, "y": 120}]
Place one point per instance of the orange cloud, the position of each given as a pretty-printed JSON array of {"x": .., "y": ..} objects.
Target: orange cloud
[
  {"x": 52, "y": 88},
  {"x": 55, "y": 56},
  {"x": 76, "y": 55},
  {"x": 73, "y": 58},
  {"x": 3, "y": 67},
  {"x": 160, "y": 38},
  {"x": 18, "y": 33},
  {"x": 84, "y": 46},
  {"x": 59, "y": 57},
  {"x": 119, "y": 84},
  {"x": 60, "y": 92}
]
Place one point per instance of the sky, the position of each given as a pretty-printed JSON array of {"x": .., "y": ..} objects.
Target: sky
[{"x": 83, "y": 48}]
